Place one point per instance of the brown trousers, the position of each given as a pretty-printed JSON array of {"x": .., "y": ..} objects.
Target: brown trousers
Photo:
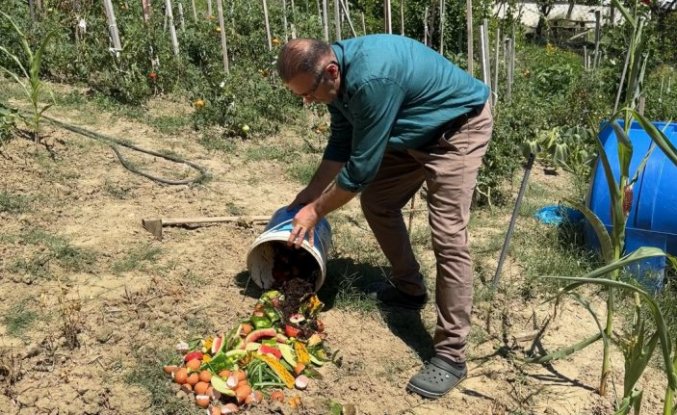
[{"x": 449, "y": 167}]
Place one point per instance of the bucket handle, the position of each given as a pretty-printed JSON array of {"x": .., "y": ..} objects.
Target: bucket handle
[{"x": 274, "y": 228}]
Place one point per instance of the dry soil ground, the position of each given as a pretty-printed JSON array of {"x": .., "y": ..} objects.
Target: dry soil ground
[{"x": 92, "y": 304}]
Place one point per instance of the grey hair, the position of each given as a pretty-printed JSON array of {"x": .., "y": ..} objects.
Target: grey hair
[{"x": 301, "y": 56}]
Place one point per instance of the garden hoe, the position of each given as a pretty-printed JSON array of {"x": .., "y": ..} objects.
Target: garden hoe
[{"x": 155, "y": 226}]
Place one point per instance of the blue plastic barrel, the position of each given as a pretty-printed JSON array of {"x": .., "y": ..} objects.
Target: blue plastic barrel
[
  {"x": 653, "y": 218},
  {"x": 261, "y": 256}
]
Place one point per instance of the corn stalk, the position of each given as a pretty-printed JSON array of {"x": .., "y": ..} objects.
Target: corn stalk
[
  {"x": 29, "y": 76},
  {"x": 639, "y": 348}
]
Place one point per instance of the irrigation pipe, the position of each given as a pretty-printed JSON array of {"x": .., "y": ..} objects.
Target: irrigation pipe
[{"x": 113, "y": 143}]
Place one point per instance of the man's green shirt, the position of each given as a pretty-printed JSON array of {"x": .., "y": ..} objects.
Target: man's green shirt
[{"x": 395, "y": 94}]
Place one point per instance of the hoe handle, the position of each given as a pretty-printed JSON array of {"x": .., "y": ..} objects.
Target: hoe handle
[{"x": 182, "y": 221}]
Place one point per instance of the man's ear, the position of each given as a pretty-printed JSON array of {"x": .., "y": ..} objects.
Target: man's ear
[{"x": 333, "y": 70}]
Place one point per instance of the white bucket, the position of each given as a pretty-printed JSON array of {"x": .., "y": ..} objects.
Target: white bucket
[{"x": 262, "y": 253}]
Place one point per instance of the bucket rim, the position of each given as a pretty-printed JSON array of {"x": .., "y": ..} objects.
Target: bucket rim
[{"x": 283, "y": 236}]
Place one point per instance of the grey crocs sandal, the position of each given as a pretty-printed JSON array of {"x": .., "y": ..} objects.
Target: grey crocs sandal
[{"x": 436, "y": 378}]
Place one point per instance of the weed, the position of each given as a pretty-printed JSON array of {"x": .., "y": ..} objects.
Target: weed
[
  {"x": 19, "y": 318},
  {"x": 136, "y": 258},
  {"x": 170, "y": 125},
  {"x": 51, "y": 249},
  {"x": 213, "y": 142},
  {"x": 8, "y": 117},
  {"x": 70, "y": 313},
  {"x": 149, "y": 375},
  {"x": 117, "y": 191},
  {"x": 261, "y": 153},
  {"x": 11, "y": 203},
  {"x": 302, "y": 172},
  {"x": 10, "y": 367}
]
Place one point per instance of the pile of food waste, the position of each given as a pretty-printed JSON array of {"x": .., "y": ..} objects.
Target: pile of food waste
[{"x": 277, "y": 348}]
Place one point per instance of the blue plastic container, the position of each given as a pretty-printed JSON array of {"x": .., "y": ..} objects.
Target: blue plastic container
[
  {"x": 653, "y": 217},
  {"x": 261, "y": 256}
]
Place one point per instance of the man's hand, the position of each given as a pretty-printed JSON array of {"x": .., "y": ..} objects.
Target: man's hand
[
  {"x": 304, "y": 224},
  {"x": 307, "y": 218}
]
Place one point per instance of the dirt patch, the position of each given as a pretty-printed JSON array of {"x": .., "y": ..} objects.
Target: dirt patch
[{"x": 79, "y": 260}]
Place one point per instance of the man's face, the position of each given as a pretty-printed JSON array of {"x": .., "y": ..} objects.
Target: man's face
[{"x": 321, "y": 86}]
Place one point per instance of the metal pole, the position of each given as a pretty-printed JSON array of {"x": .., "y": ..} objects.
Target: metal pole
[{"x": 513, "y": 218}]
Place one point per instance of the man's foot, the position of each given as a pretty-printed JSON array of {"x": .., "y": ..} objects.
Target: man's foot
[
  {"x": 437, "y": 378},
  {"x": 390, "y": 296}
]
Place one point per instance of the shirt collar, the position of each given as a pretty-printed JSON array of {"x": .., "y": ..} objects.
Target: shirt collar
[{"x": 340, "y": 58}]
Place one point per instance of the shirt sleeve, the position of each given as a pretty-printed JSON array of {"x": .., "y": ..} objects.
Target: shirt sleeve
[
  {"x": 374, "y": 108},
  {"x": 338, "y": 147}
]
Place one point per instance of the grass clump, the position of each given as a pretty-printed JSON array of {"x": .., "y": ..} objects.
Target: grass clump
[
  {"x": 19, "y": 318},
  {"x": 149, "y": 375},
  {"x": 11, "y": 203},
  {"x": 136, "y": 258},
  {"x": 52, "y": 249}
]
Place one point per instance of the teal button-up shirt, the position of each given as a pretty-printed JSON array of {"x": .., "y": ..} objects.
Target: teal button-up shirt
[{"x": 395, "y": 94}]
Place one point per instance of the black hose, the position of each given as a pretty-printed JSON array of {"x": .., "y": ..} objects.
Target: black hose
[{"x": 113, "y": 143}]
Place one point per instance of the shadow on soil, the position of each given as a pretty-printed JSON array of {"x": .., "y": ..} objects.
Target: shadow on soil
[{"x": 347, "y": 284}]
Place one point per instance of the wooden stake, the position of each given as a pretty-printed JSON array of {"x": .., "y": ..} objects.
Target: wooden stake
[
  {"x": 192, "y": 3},
  {"x": 325, "y": 21},
  {"x": 620, "y": 85},
  {"x": 347, "y": 13},
  {"x": 425, "y": 27},
  {"x": 284, "y": 20},
  {"x": 387, "y": 14},
  {"x": 402, "y": 17},
  {"x": 598, "y": 36},
  {"x": 364, "y": 25},
  {"x": 224, "y": 44},
  {"x": 183, "y": 22},
  {"x": 267, "y": 23},
  {"x": 509, "y": 67},
  {"x": 172, "y": 29},
  {"x": 497, "y": 59},
  {"x": 484, "y": 51},
  {"x": 469, "y": 31},
  {"x": 145, "y": 5},
  {"x": 112, "y": 26},
  {"x": 337, "y": 19}
]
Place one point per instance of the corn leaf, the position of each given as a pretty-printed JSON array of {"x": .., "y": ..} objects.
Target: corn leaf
[
  {"x": 22, "y": 36},
  {"x": 658, "y": 137},
  {"x": 624, "y": 148},
  {"x": 642, "y": 164},
  {"x": 36, "y": 62},
  {"x": 666, "y": 343},
  {"x": 15, "y": 59},
  {"x": 598, "y": 227},
  {"x": 611, "y": 180}
]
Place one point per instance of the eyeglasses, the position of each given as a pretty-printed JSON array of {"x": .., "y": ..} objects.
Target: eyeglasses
[{"x": 317, "y": 82}]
